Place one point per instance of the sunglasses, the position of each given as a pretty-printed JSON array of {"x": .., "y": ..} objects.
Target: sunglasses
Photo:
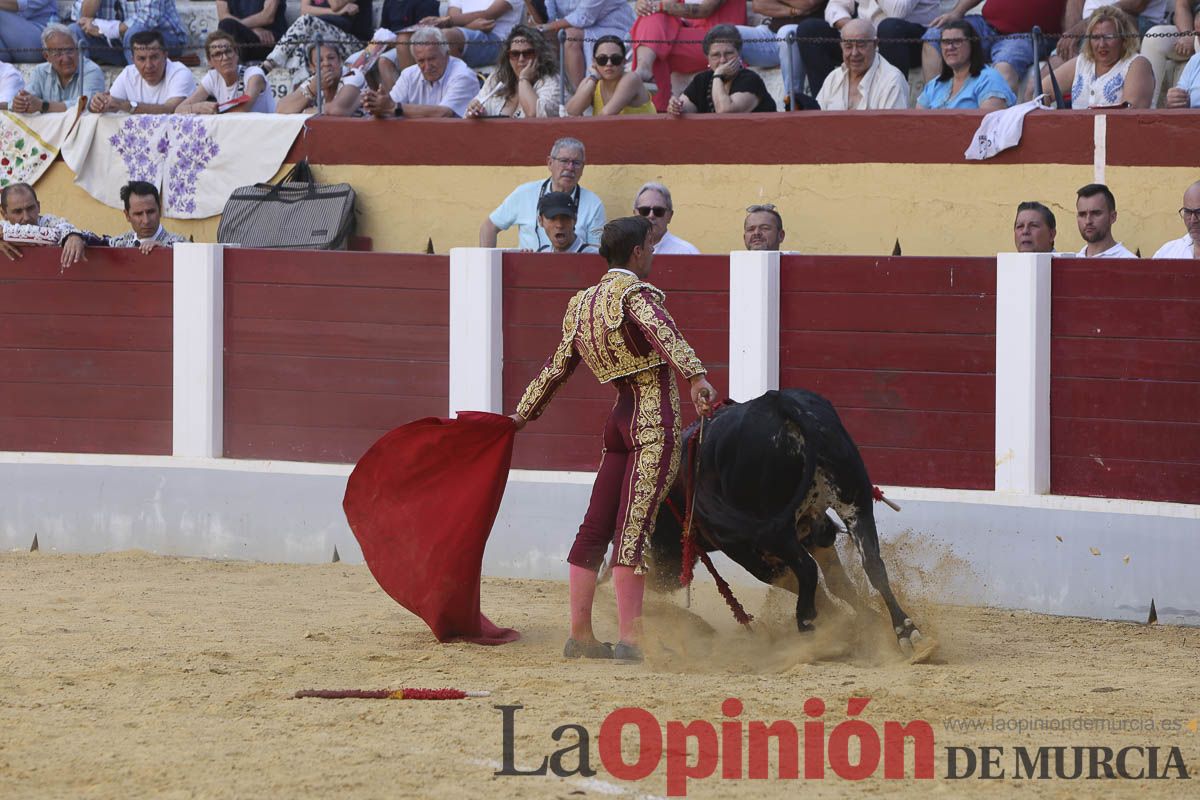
[
  {"x": 521, "y": 53},
  {"x": 658, "y": 211},
  {"x": 616, "y": 59}
]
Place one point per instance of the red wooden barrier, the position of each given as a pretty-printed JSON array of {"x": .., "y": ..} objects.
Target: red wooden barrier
[
  {"x": 905, "y": 349},
  {"x": 85, "y": 353},
  {"x": 325, "y": 352},
  {"x": 1125, "y": 379},
  {"x": 536, "y": 290}
]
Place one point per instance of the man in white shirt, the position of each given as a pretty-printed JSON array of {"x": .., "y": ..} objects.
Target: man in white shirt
[
  {"x": 1188, "y": 245},
  {"x": 11, "y": 84},
  {"x": 153, "y": 84},
  {"x": 865, "y": 81},
  {"x": 653, "y": 201},
  {"x": 437, "y": 85},
  {"x": 1095, "y": 213},
  {"x": 566, "y": 162}
]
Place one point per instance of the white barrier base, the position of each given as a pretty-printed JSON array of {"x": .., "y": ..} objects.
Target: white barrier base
[{"x": 984, "y": 548}]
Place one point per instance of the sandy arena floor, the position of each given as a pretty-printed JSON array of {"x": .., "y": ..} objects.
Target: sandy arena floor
[{"x": 131, "y": 675}]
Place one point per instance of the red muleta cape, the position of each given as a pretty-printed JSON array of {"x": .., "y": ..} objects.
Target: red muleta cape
[{"x": 421, "y": 503}]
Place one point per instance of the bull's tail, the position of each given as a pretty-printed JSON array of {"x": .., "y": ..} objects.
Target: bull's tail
[{"x": 737, "y": 524}]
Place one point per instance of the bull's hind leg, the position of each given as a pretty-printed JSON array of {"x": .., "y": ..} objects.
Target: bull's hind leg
[
  {"x": 860, "y": 521},
  {"x": 805, "y": 568}
]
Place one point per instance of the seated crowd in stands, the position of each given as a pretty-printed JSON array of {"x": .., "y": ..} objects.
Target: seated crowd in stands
[{"x": 619, "y": 56}]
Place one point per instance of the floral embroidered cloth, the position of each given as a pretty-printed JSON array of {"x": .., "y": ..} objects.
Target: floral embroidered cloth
[
  {"x": 24, "y": 155},
  {"x": 196, "y": 161}
]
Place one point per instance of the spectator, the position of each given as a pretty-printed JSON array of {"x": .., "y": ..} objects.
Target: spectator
[
  {"x": 19, "y": 205},
  {"x": 228, "y": 80},
  {"x": 763, "y": 228},
  {"x": 738, "y": 89},
  {"x": 664, "y": 38},
  {"x": 1095, "y": 213},
  {"x": 254, "y": 24},
  {"x": 143, "y": 211},
  {"x": 766, "y": 45},
  {"x": 999, "y": 28},
  {"x": 893, "y": 19},
  {"x": 584, "y": 22},
  {"x": 1186, "y": 94},
  {"x": 566, "y": 162},
  {"x": 1148, "y": 13},
  {"x": 964, "y": 81},
  {"x": 608, "y": 88},
  {"x": 21, "y": 26},
  {"x": 1108, "y": 70},
  {"x": 556, "y": 219},
  {"x": 341, "y": 91},
  {"x": 475, "y": 29},
  {"x": 108, "y": 28},
  {"x": 1188, "y": 245},
  {"x": 11, "y": 84},
  {"x": 339, "y": 23},
  {"x": 54, "y": 85},
  {"x": 653, "y": 201},
  {"x": 865, "y": 80},
  {"x": 438, "y": 85},
  {"x": 152, "y": 84},
  {"x": 1159, "y": 46},
  {"x": 525, "y": 83},
  {"x": 1034, "y": 228}
]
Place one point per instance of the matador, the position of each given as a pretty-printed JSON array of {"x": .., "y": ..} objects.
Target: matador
[{"x": 621, "y": 329}]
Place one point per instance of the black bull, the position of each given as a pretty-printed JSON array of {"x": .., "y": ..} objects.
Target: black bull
[{"x": 765, "y": 473}]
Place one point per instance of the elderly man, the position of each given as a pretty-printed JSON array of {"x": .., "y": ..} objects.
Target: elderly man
[
  {"x": 143, "y": 211},
  {"x": 1034, "y": 228},
  {"x": 1095, "y": 213},
  {"x": 864, "y": 81},
  {"x": 21, "y": 25},
  {"x": 56, "y": 84},
  {"x": 566, "y": 163},
  {"x": 763, "y": 228},
  {"x": 1188, "y": 245},
  {"x": 108, "y": 27},
  {"x": 437, "y": 85},
  {"x": 653, "y": 201},
  {"x": 20, "y": 207},
  {"x": 1186, "y": 93},
  {"x": 152, "y": 84},
  {"x": 556, "y": 216},
  {"x": 1000, "y": 27},
  {"x": 893, "y": 20}
]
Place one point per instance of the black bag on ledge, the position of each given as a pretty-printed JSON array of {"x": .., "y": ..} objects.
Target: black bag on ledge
[{"x": 297, "y": 213}]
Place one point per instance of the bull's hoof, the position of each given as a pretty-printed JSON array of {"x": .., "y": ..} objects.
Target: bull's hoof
[
  {"x": 805, "y": 627},
  {"x": 916, "y": 646}
]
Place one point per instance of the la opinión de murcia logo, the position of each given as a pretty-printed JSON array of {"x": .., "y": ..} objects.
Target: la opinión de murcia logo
[{"x": 701, "y": 749}]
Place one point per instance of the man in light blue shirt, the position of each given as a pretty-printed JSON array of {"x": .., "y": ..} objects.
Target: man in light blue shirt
[
  {"x": 566, "y": 163},
  {"x": 21, "y": 23},
  {"x": 1186, "y": 93},
  {"x": 55, "y": 85}
]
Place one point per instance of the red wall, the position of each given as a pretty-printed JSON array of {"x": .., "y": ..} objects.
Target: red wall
[
  {"x": 536, "y": 291},
  {"x": 1125, "y": 379},
  {"x": 905, "y": 349},
  {"x": 85, "y": 353},
  {"x": 326, "y": 352}
]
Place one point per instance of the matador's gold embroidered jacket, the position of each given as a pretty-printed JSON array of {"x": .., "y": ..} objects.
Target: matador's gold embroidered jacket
[{"x": 617, "y": 327}]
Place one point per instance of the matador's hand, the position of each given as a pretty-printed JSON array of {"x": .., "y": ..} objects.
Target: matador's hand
[{"x": 703, "y": 396}]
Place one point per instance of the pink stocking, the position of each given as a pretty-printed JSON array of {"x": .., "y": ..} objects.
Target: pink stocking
[
  {"x": 630, "y": 588},
  {"x": 583, "y": 590}
]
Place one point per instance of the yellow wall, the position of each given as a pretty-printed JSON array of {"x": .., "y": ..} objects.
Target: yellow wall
[{"x": 939, "y": 209}]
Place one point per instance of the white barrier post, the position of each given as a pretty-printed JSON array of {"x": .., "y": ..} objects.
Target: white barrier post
[
  {"x": 197, "y": 407},
  {"x": 1023, "y": 373},
  {"x": 476, "y": 330},
  {"x": 753, "y": 323}
]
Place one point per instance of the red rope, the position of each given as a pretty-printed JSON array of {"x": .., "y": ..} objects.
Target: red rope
[{"x": 739, "y": 613}]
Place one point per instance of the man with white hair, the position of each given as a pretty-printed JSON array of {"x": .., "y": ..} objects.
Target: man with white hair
[
  {"x": 437, "y": 85},
  {"x": 653, "y": 201},
  {"x": 865, "y": 80},
  {"x": 57, "y": 82},
  {"x": 1188, "y": 245}
]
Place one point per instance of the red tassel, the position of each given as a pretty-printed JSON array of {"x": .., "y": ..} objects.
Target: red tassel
[{"x": 739, "y": 613}]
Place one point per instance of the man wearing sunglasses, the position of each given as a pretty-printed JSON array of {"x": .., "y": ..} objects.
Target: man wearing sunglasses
[
  {"x": 566, "y": 162},
  {"x": 1188, "y": 245},
  {"x": 653, "y": 201}
]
